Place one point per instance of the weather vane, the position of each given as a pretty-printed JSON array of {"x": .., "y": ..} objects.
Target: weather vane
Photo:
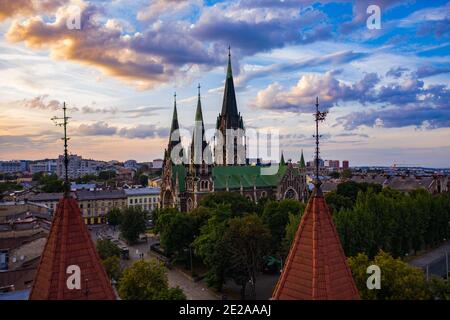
[
  {"x": 62, "y": 122},
  {"x": 319, "y": 116}
]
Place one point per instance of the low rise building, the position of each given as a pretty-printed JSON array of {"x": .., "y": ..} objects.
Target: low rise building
[
  {"x": 48, "y": 199},
  {"x": 94, "y": 205},
  {"x": 147, "y": 198}
]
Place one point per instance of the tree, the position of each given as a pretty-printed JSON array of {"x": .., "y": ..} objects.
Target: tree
[
  {"x": 238, "y": 203},
  {"x": 211, "y": 247},
  {"x": 346, "y": 174},
  {"x": 147, "y": 280},
  {"x": 334, "y": 175},
  {"x": 176, "y": 233},
  {"x": 336, "y": 201},
  {"x": 399, "y": 281},
  {"x": 107, "y": 175},
  {"x": 290, "y": 231},
  {"x": 143, "y": 180},
  {"x": 51, "y": 183},
  {"x": 114, "y": 217},
  {"x": 112, "y": 267},
  {"x": 107, "y": 249},
  {"x": 247, "y": 240},
  {"x": 276, "y": 215},
  {"x": 86, "y": 178},
  {"x": 132, "y": 223}
]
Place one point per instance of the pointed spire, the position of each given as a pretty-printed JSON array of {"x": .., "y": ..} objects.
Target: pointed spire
[
  {"x": 198, "y": 134},
  {"x": 69, "y": 248},
  {"x": 316, "y": 267},
  {"x": 198, "y": 112},
  {"x": 282, "y": 162},
  {"x": 173, "y": 141},
  {"x": 229, "y": 71},
  {"x": 229, "y": 106},
  {"x": 302, "y": 161}
]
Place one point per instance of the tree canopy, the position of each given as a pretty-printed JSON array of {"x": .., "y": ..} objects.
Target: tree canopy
[
  {"x": 147, "y": 280},
  {"x": 132, "y": 223}
]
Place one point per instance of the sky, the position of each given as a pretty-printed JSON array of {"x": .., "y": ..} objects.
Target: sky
[{"x": 386, "y": 90}]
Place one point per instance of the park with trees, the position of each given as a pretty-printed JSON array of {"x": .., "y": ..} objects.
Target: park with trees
[{"x": 233, "y": 237}]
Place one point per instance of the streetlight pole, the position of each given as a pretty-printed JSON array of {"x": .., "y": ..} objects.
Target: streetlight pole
[{"x": 190, "y": 255}]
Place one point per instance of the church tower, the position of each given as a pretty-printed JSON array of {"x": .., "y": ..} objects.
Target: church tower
[{"x": 231, "y": 149}]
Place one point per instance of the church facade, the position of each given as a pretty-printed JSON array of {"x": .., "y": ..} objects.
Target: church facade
[{"x": 185, "y": 183}]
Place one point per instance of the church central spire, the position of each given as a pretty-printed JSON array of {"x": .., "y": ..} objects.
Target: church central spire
[{"x": 230, "y": 120}]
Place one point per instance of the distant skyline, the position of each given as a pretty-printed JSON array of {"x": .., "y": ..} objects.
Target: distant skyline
[{"x": 387, "y": 90}]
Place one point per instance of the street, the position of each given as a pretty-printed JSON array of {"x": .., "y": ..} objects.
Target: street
[{"x": 192, "y": 290}]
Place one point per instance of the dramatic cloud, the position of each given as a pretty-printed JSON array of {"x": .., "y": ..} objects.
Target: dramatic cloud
[
  {"x": 139, "y": 131},
  {"x": 326, "y": 86},
  {"x": 428, "y": 71},
  {"x": 333, "y": 59},
  {"x": 418, "y": 116},
  {"x": 42, "y": 102},
  {"x": 143, "y": 131},
  {"x": 100, "y": 128},
  {"x": 12, "y": 8},
  {"x": 143, "y": 111},
  {"x": 407, "y": 102},
  {"x": 256, "y": 29},
  {"x": 396, "y": 72}
]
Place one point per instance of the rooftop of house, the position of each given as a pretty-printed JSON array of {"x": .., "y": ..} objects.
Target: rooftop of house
[
  {"x": 100, "y": 194},
  {"x": 142, "y": 191}
]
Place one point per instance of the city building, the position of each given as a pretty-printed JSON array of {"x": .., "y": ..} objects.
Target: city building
[
  {"x": 23, "y": 228},
  {"x": 146, "y": 198},
  {"x": 78, "y": 167},
  {"x": 50, "y": 200},
  {"x": 12, "y": 166},
  {"x": 184, "y": 185},
  {"x": 47, "y": 166},
  {"x": 157, "y": 164},
  {"x": 155, "y": 182},
  {"x": 94, "y": 205},
  {"x": 345, "y": 164},
  {"x": 131, "y": 164}
]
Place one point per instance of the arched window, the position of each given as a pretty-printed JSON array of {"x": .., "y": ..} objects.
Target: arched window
[{"x": 290, "y": 194}]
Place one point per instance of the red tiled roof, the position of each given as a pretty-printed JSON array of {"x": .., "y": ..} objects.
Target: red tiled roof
[
  {"x": 69, "y": 243},
  {"x": 316, "y": 267}
]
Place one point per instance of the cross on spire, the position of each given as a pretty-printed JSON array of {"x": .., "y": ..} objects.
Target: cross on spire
[
  {"x": 319, "y": 117},
  {"x": 62, "y": 122},
  {"x": 198, "y": 87}
]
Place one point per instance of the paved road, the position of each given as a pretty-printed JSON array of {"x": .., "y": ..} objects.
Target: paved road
[
  {"x": 434, "y": 259},
  {"x": 192, "y": 290}
]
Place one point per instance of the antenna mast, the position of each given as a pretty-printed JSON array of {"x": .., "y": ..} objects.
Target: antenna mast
[
  {"x": 319, "y": 116},
  {"x": 62, "y": 122}
]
